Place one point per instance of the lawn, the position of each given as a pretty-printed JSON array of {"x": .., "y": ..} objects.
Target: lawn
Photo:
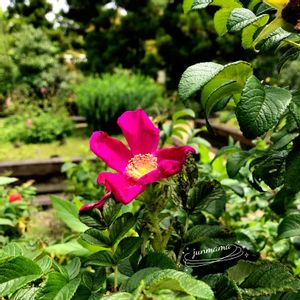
[{"x": 75, "y": 146}]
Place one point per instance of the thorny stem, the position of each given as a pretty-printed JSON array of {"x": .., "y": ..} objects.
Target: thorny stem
[
  {"x": 186, "y": 225},
  {"x": 116, "y": 274},
  {"x": 115, "y": 278}
]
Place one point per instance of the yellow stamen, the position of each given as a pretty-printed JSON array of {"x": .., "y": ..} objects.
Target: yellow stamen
[{"x": 140, "y": 165}]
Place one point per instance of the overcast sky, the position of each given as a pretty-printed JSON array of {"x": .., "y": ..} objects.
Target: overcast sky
[{"x": 57, "y": 4}]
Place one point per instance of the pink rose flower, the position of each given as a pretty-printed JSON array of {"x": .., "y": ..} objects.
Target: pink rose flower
[{"x": 140, "y": 164}]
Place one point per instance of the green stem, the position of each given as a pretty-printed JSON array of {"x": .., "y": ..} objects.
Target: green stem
[
  {"x": 180, "y": 255},
  {"x": 186, "y": 225},
  {"x": 293, "y": 44},
  {"x": 116, "y": 274}
]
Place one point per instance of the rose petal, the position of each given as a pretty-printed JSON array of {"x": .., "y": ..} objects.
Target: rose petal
[
  {"x": 151, "y": 177},
  {"x": 97, "y": 204},
  {"x": 171, "y": 160},
  {"x": 123, "y": 190},
  {"x": 141, "y": 134},
  {"x": 113, "y": 152},
  {"x": 178, "y": 153}
]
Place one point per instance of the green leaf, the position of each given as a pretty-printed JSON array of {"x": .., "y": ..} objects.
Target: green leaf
[
  {"x": 187, "y": 5},
  {"x": 295, "y": 108},
  {"x": 200, "y": 233},
  {"x": 229, "y": 3},
  {"x": 249, "y": 31},
  {"x": 291, "y": 53},
  {"x": 220, "y": 93},
  {"x": 206, "y": 195},
  {"x": 83, "y": 293},
  {"x": 281, "y": 201},
  {"x": 134, "y": 281},
  {"x": 228, "y": 82},
  {"x": 25, "y": 293},
  {"x": 73, "y": 268},
  {"x": 110, "y": 211},
  {"x": 92, "y": 218},
  {"x": 13, "y": 249},
  {"x": 285, "y": 140},
  {"x": 260, "y": 108},
  {"x": 16, "y": 273},
  {"x": 270, "y": 168},
  {"x": 119, "y": 296},
  {"x": 293, "y": 169},
  {"x": 96, "y": 237},
  {"x": 94, "y": 281},
  {"x": 235, "y": 162},
  {"x": 69, "y": 248},
  {"x": 157, "y": 259},
  {"x": 58, "y": 287},
  {"x": 45, "y": 263},
  {"x": 223, "y": 287},
  {"x": 101, "y": 259},
  {"x": 7, "y": 180},
  {"x": 241, "y": 18},
  {"x": 68, "y": 213},
  {"x": 241, "y": 271},
  {"x": 269, "y": 277},
  {"x": 178, "y": 281},
  {"x": 6, "y": 222},
  {"x": 127, "y": 247},
  {"x": 199, "y": 4},
  {"x": 289, "y": 226},
  {"x": 183, "y": 114},
  {"x": 215, "y": 81},
  {"x": 67, "y": 166},
  {"x": 273, "y": 39},
  {"x": 121, "y": 226},
  {"x": 226, "y": 150},
  {"x": 195, "y": 77},
  {"x": 60, "y": 269},
  {"x": 220, "y": 20}
]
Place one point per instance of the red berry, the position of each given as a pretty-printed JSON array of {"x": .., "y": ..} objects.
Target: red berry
[{"x": 15, "y": 197}]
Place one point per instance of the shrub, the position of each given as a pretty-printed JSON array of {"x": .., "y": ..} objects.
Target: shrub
[
  {"x": 44, "y": 127},
  {"x": 102, "y": 100},
  {"x": 37, "y": 60}
]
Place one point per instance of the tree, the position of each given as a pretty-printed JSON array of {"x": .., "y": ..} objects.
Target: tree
[{"x": 32, "y": 12}]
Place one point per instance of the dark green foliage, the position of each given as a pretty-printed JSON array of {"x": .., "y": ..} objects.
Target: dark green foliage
[
  {"x": 293, "y": 168},
  {"x": 260, "y": 107},
  {"x": 32, "y": 11},
  {"x": 151, "y": 37},
  {"x": 223, "y": 287},
  {"x": 37, "y": 60},
  {"x": 102, "y": 100},
  {"x": 81, "y": 179},
  {"x": 206, "y": 195},
  {"x": 270, "y": 168},
  {"x": 42, "y": 128}
]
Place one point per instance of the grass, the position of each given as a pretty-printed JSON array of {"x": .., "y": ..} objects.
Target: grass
[{"x": 75, "y": 146}]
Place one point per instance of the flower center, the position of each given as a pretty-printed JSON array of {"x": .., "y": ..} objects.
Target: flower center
[{"x": 141, "y": 164}]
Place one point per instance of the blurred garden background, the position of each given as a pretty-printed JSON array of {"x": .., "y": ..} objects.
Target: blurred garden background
[
  {"x": 72, "y": 67},
  {"x": 96, "y": 59}
]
